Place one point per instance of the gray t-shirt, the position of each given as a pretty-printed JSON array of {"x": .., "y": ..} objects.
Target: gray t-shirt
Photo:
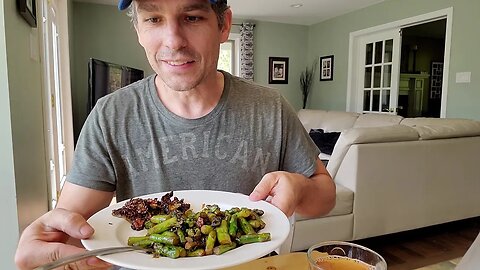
[{"x": 133, "y": 145}]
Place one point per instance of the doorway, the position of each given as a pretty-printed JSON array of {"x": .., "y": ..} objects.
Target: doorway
[
  {"x": 421, "y": 68},
  {"x": 401, "y": 83}
]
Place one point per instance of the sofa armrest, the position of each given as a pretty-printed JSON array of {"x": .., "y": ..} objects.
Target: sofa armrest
[
  {"x": 406, "y": 185},
  {"x": 394, "y": 133}
]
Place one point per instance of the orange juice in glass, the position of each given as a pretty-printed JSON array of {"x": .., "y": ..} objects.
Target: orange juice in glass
[{"x": 337, "y": 255}]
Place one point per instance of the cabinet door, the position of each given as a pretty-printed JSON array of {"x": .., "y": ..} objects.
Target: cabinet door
[{"x": 418, "y": 96}]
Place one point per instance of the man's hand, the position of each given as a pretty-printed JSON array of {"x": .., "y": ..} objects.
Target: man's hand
[
  {"x": 282, "y": 189},
  {"x": 45, "y": 240},
  {"x": 292, "y": 192}
]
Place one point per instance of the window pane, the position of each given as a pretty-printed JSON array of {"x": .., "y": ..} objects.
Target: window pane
[
  {"x": 387, "y": 75},
  {"x": 376, "y": 101},
  {"x": 368, "y": 77},
  {"x": 377, "y": 76},
  {"x": 378, "y": 52},
  {"x": 388, "y": 50},
  {"x": 369, "y": 54},
  {"x": 225, "y": 58},
  {"x": 385, "y": 100},
  {"x": 366, "y": 100}
]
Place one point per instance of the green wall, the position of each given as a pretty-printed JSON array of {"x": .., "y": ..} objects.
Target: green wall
[
  {"x": 332, "y": 37},
  {"x": 111, "y": 37},
  {"x": 302, "y": 44},
  {"x": 102, "y": 32},
  {"x": 7, "y": 184},
  {"x": 281, "y": 40},
  {"x": 22, "y": 140},
  {"x": 26, "y": 109}
]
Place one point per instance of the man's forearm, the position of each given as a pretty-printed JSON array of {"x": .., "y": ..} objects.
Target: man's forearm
[
  {"x": 82, "y": 200},
  {"x": 318, "y": 196}
]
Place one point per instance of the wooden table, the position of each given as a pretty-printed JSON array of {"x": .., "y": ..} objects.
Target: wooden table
[{"x": 296, "y": 260}]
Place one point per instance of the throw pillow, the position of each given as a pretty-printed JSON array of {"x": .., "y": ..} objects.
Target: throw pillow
[{"x": 325, "y": 141}]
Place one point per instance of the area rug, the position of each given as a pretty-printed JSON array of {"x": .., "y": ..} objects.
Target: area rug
[{"x": 446, "y": 265}]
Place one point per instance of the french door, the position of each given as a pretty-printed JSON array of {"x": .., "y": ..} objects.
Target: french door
[
  {"x": 57, "y": 100},
  {"x": 377, "y": 70}
]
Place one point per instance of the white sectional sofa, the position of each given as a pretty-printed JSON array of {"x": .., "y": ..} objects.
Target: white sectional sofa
[{"x": 394, "y": 174}]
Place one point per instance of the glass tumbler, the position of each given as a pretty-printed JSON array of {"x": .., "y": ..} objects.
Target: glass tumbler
[{"x": 337, "y": 255}]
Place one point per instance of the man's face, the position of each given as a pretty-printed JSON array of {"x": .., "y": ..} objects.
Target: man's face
[{"x": 181, "y": 39}]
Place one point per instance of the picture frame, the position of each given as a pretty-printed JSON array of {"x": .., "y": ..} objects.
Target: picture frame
[
  {"x": 27, "y": 8},
  {"x": 326, "y": 68},
  {"x": 278, "y": 70}
]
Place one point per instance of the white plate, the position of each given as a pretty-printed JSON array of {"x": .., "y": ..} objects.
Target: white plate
[{"x": 112, "y": 231}]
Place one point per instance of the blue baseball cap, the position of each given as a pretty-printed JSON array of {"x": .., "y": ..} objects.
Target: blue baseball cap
[{"x": 123, "y": 4}]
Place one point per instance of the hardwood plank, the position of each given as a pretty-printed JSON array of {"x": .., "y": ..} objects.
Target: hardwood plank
[{"x": 427, "y": 246}]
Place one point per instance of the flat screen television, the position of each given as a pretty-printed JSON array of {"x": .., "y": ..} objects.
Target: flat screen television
[{"x": 105, "y": 78}]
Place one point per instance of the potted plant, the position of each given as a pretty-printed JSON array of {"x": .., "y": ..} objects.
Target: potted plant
[{"x": 306, "y": 79}]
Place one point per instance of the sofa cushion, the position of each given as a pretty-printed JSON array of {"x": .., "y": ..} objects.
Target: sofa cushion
[
  {"x": 377, "y": 120},
  {"x": 327, "y": 120},
  {"x": 325, "y": 141},
  {"x": 343, "y": 203},
  {"x": 442, "y": 128}
]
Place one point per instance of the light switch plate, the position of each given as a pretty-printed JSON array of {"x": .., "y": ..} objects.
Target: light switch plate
[{"x": 463, "y": 77}]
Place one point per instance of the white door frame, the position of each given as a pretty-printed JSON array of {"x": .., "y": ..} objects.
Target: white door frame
[
  {"x": 53, "y": 154},
  {"x": 446, "y": 13}
]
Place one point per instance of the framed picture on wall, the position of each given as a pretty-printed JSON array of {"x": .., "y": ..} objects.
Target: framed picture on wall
[
  {"x": 278, "y": 70},
  {"x": 326, "y": 68},
  {"x": 27, "y": 8}
]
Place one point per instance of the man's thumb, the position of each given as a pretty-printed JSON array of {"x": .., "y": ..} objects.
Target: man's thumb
[{"x": 263, "y": 188}]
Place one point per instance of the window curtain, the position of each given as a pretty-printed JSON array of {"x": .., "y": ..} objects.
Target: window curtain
[{"x": 246, "y": 50}]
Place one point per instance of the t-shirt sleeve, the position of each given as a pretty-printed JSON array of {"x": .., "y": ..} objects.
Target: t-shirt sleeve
[
  {"x": 92, "y": 166},
  {"x": 299, "y": 151}
]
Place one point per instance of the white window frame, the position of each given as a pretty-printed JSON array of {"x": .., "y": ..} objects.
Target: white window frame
[{"x": 234, "y": 38}]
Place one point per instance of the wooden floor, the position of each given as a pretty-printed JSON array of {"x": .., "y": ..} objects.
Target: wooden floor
[{"x": 427, "y": 246}]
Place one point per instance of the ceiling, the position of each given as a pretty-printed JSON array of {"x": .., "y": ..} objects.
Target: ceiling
[{"x": 311, "y": 11}]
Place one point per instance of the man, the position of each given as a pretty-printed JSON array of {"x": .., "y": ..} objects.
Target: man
[{"x": 188, "y": 126}]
